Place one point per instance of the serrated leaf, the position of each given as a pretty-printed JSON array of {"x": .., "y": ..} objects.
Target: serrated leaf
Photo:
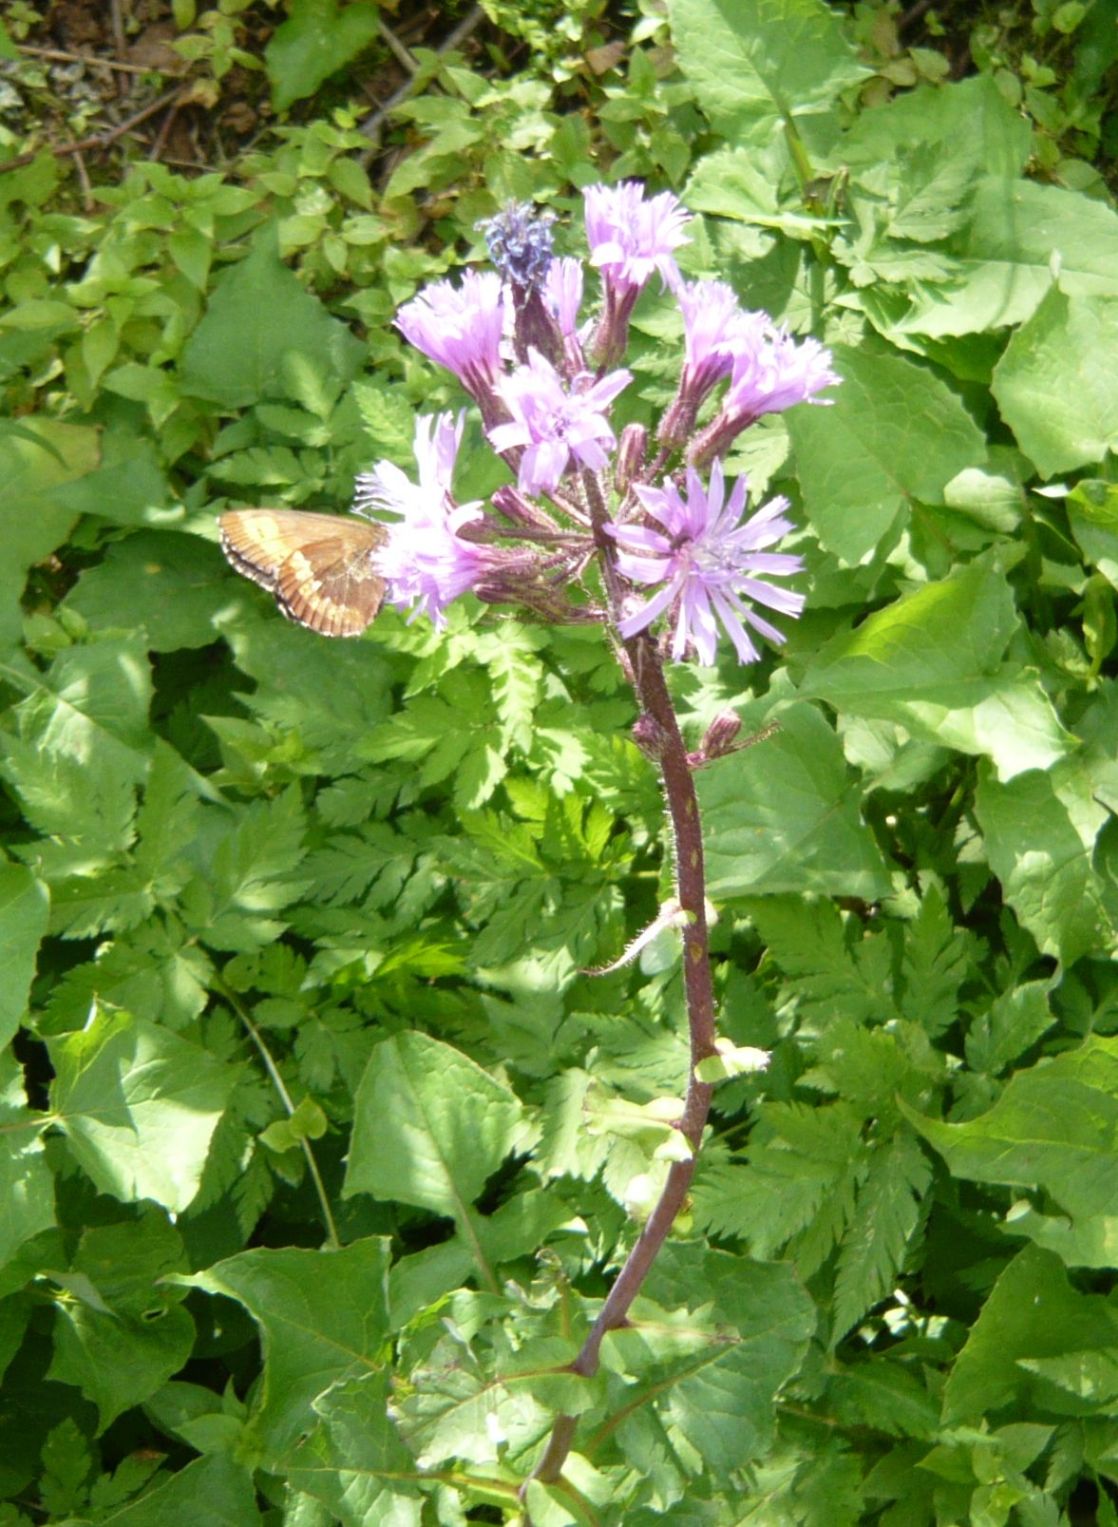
[
  {"x": 1032, "y": 1313},
  {"x": 323, "y": 1319},
  {"x": 1040, "y": 832},
  {"x": 430, "y": 1126},
  {"x": 258, "y": 314},
  {"x": 784, "y": 816},
  {"x": 316, "y": 40},
  {"x": 894, "y": 434},
  {"x": 26, "y": 1182},
  {"x": 139, "y": 1107},
  {"x": 353, "y": 1460},
  {"x": 931, "y": 662},
  {"x": 1054, "y": 1128},
  {"x": 757, "y": 63},
  {"x": 888, "y": 1211},
  {"x": 1057, "y": 383},
  {"x": 24, "y": 914}
]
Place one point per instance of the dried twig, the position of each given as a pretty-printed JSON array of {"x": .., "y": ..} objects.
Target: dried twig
[
  {"x": 60, "y": 56},
  {"x": 96, "y": 140},
  {"x": 373, "y": 123}
]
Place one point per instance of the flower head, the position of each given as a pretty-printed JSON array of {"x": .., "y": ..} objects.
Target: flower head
[
  {"x": 425, "y": 561},
  {"x": 707, "y": 559},
  {"x": 771, "y": 371},
  {"x": 551, "y": 424},
  {"x": 629, "y": 237},
  {"x": 519, "y": 243},
  {"x": 460, "y": 327}
]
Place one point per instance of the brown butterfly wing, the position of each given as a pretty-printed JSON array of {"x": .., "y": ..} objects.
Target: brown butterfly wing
[{"x": 320, "y": 567}]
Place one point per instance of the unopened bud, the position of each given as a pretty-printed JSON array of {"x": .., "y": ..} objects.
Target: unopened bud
[
  {"x": 721, "y": 733},
  {"x": 632, "y": 449},
  {"x": 648, "y": 735}
]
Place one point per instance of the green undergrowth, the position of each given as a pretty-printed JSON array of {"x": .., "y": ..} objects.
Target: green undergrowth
[{"x": 320, "y": 1143}]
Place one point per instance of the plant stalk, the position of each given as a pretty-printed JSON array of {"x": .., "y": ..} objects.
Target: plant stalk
[{"x": 647, "y": 671}]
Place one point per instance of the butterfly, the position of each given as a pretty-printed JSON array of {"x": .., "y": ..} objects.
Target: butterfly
[{"x": 321, "y": 568}]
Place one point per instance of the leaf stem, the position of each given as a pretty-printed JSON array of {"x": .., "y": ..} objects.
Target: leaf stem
[{"x": 332, "y": 1238}]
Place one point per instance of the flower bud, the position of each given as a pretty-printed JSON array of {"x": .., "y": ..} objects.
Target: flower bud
[{"x": 632, "y": 448}]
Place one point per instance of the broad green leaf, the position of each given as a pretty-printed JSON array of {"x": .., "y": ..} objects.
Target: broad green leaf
[
  {"x": 784, "y": 816},
  {"x": 1057, "y": 383},
  {"x": 1093, "y": 516},
  {"x": 258, "y": 316},
  {"x": 323, "y": 1320},
  {"x": 966, "y": 120},
  {"x": 757, "y": 64},
  {"x": 316, "y": 40},
  {"x": 214, "y": 1490},
  {"x": 1022, "y": 234},
  {"x": 24, "y": 914},
  {"x": 894, "y": 434},
  {"x": 1040, "y": 832},
  {"x": 1032, "y": 1313},
  {"x": 139, "y": 1107},
  {"x": 119, "y": 1333},
  {"x": 931, "y": 662},
  {"x": 430, "y": 1126},
  {"x": 128, "y": 487},
  {"x": 721, "y": 1401},
  {"x": 26, "y": 1182},
  {"x": 36, "y": 457},
  {"x": 353, "y": 1460},
  {"x": 1054, "y": 1129},
  {"x": 176, "y": 585}
]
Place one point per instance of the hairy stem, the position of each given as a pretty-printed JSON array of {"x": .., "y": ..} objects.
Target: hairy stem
[{"x": 683, "y": 811}]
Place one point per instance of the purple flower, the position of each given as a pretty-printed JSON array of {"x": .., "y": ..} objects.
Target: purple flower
[
  {"x": 629, "y": 237},
  {"x": 551, "y": 424},
  {"x": 460, "y": 327},
  {"x": 562, "y": 289},
  {"x": 707, "y": 559},
  {"x": 772, "y": 371},
  {"x": 714, "y": 327},
  {"x": 425, "y": 561}
]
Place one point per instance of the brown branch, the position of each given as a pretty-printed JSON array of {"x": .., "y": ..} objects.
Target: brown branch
[
  {"x": 647, "y": 676},
  {"x": 96, "y": 140},
  {"x": 60, "y": 56}
]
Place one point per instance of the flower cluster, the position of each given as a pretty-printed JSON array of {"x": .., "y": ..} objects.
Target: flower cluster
[{"x": 676, "y": 549}]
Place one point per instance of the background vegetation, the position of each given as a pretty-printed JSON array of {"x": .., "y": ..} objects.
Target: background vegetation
[{"x": 318, "y": 1147}]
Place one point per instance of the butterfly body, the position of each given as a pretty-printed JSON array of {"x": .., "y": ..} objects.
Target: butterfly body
[{"x": 320, "y": 568}]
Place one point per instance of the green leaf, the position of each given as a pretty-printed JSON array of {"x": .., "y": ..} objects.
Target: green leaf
[
  {"x": 120, "y": 1334},
  {"x": 26, "y": 1182},
  {"x": 315, "y": 42},
  {"x": 1040, "y": 832},
  {"x": 1053, "y": 1129},
  {"x": 258, "y": 317},
  {"x": 894, "y": 435},
  {"x": 176, "y": 586},
  {"x": 139, "y": 1107},
  {"x": 784, "y": 816},
  {"x": 353, "y": 1461},
  {"x": 931, "y": 662},
  {"x": 323, "y": 1320},
  {"x": 760, "y": 1321},
  {"x": 756, "y": 64},
  {"x": 24, "y": 912},
  {"x": 888, "y": 1212},
  {"x": 214, "y": 1490},
  {"x": 430, "y": 1126},
  {"x": 1032, "y": 1313},
  {"x": 1057, "y": 383},
  {"x": 1021, "y": 233},
  {"x": 34, "y": 460}
]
